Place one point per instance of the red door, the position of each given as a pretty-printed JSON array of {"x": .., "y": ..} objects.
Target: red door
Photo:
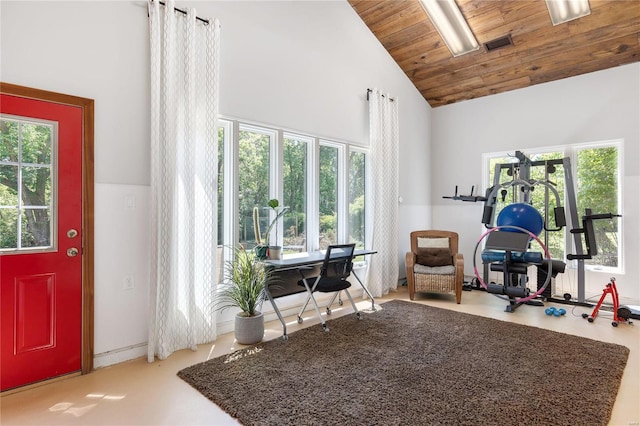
[{"x": 40, "y": 240}]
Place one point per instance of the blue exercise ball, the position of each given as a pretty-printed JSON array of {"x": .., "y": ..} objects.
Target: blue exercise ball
[{"x": 523, "y": 216}]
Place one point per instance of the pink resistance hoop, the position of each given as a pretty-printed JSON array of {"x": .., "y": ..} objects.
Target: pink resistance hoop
[{"x": 532, "y": 235}]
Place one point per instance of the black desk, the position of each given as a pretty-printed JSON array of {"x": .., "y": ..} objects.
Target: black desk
[{"x": 279, "y": 288}]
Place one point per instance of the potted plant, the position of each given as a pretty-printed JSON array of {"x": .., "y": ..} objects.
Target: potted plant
[
  {"x": 260, "y": 249},
  {"x": 275, "y": 251},
  {"x": 243, "y": 287}
]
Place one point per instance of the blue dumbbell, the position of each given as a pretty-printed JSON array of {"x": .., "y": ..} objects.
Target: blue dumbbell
[{"x": 555, "y": 312}]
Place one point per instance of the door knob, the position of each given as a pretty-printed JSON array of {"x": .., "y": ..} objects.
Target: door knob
[{"x": 72, "y": 252}]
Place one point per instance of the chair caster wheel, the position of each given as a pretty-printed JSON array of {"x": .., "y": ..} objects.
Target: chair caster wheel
[
  {"x": 585, "y": 315},
  {"x": 614, "y": 323},
  {"x": 285, "y": 337},
  {"x": 328, "y": 311},
  {"x": 590, "y": 319},
  {"x": 340, "y": 302},
  {"x": 299, "y": 320},
  {"x": 358, "y": 315},
  {"x": 325, "y": 328}
]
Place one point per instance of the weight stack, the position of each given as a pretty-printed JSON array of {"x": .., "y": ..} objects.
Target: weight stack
[{"x": 548, "y": 292}]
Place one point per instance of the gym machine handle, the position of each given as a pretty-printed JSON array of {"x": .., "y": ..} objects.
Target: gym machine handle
[
  {"x": 589, "y": 234},
  {"x": 472, "y": 198}
]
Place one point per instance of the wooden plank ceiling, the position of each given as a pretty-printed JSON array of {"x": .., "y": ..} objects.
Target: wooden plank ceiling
[{"x": 541, "y": 52}]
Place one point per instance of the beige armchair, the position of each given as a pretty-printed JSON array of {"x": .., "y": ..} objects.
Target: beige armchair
[{"x": 434, "y": 264}]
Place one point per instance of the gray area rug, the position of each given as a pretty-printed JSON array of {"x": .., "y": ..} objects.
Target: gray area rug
[{"x": 410, "y": 364}]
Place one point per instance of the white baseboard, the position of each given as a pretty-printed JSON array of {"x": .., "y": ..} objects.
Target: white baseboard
[
  {"x": 120, "y": 355},
  {"x": 288, "y": 306}
]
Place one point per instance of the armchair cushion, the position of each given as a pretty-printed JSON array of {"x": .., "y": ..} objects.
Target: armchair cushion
[
  {"x": 434, "y": 270},
  {"x": 431, "y": 242},
  {"x": 440, "y": 256}
]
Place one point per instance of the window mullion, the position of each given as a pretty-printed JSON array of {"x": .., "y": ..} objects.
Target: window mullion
[
  {"x": 276, "y": 178},
  {"x": 343, "y": 195},
  {"x": 313, "y": 195}
]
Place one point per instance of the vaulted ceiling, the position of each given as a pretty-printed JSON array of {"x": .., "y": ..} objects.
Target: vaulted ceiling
[{"x": 540, "y": 52}]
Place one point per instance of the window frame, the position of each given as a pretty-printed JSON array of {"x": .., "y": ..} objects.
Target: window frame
[
  {"x": 229, "y": 196},
  {"x": 367, "y": 187},
  {"x": 53, "y": 174},
  {"x": 274, "y": 184},
  {"x": 310, "y": 143},
  {"x": 342, "y": 199},
  {"x": 231, "y": 189}
]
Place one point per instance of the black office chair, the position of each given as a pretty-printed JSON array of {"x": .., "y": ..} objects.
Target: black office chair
[{"x": 336, "y": 268}]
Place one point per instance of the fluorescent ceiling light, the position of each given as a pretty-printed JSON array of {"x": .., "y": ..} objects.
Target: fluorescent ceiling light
[
  {"x": 450, "y": 23},
  {"x": 567, "y": 10}
]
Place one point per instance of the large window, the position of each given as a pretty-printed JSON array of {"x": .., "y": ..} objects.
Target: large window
[
  {"x": 595, "y": 171},
  {"x": 321, "y": 182}
]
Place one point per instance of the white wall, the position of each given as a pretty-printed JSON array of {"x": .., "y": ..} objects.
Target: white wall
[
  {"x": 302, "y": 65},
  {"x": 599, "y": 106}
]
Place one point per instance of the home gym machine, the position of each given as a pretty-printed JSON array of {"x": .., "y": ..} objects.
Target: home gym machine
[{"x": 507, "y": 253}]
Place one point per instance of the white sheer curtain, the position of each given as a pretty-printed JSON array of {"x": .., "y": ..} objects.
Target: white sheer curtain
[
  {"x": 384, "y": 141},
  {"x": 184, "y": 108}
]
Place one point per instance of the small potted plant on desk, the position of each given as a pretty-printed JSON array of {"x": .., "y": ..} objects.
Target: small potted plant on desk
[
  {"x": 244, "y": 286},
  {"x": 275, "y": 251},
  {"x": 260, "y": 249},
  {"x": 264, "y": 250}
]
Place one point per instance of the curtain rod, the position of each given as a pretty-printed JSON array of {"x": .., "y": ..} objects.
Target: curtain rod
[
  {"x": 371, "y": 90},
  {"x": 184, "y": 12}
]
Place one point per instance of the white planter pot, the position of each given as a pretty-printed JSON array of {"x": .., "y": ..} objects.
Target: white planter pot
[
  {"x": 275, "y": 252},
  {"x": 249, "y": 330}
]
